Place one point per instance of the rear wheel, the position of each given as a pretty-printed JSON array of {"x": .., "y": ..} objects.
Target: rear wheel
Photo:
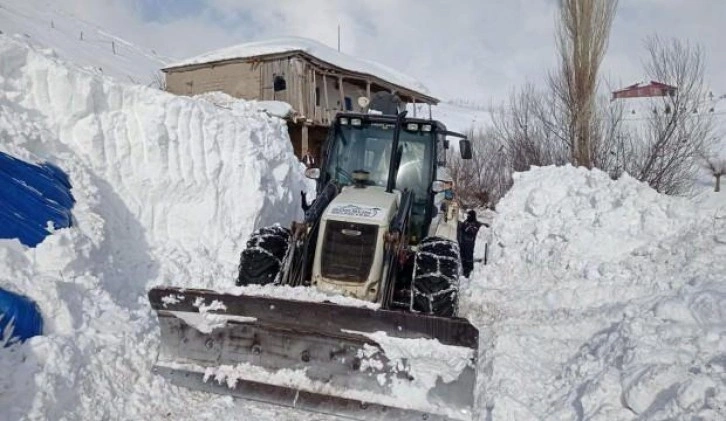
[
  {"x": 261, "y": 260},
  {"x": 435, "y": 284}
]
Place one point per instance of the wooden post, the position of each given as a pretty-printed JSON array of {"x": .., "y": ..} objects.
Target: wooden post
[
  {"x": 305, "y": 145},
  {"x": 368, "y": 89},
  {"x": 342, "y": 94},
  {"x": 315, "y": 97},
  {"x": 325, "y": 92}
]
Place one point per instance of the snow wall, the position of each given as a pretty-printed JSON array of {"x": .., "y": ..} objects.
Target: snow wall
[{"x": 167, "y": 191}]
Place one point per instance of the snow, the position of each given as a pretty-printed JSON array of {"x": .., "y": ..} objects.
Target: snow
[
  {"x": 602, "y": 300},
  {"x": 427, "y": 360},
  {"x": 206, "y": 322},
  {"x": 168, "y": 189},
  {"x": 298, "y": 293},
  {"x": 457, "y": 118},
  {"x": 400, "y": 396},
  {"x": 46, "y": 24},
  {"x": 272, "y": 108},
  {"x": 308, "y": 46}
]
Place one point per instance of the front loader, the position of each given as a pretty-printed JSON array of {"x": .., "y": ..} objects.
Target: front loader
[{"x": 351, "y": 311}]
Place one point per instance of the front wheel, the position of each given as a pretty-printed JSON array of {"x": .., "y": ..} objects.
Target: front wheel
[
  {"x": 261, "y": 260},
  {"x": 435, "y": 284}
]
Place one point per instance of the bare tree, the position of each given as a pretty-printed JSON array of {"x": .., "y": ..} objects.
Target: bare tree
[
  {"x": 716, "y": 167},
  {"x": 677, "y": 131},
  {"x": 527, "y": 131},
  {"x": 582, "y": 35},
  {"x": 484, "y": 179}
]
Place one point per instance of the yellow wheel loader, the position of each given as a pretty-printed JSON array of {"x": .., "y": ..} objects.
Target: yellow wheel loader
[{"x": 351, "y": 311}]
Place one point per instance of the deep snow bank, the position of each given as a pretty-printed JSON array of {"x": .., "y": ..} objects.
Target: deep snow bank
[
  {"x": 186, "y": 175},
  {"x": 167, "y": 190},
  {"x": 603, "y": 300}
]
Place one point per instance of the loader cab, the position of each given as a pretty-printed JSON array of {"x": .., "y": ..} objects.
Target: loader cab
[{"x": 364, "y": 142}]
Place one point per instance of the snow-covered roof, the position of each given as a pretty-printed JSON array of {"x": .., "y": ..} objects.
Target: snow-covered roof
[{"x": 313, "y": 48}]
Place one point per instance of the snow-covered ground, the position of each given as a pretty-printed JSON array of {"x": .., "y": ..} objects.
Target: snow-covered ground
[{"x": 46, "y": 24}]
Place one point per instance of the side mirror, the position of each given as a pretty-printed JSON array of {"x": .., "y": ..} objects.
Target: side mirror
[
  {"x": 312, "y": 173},
  {"x": 438, "y": 186},
  {"x": 465, "y": 148}
]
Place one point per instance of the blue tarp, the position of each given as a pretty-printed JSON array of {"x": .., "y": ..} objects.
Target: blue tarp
[
  {"x": 22, "y": 313},
  {"x": 30, "y": 196}
]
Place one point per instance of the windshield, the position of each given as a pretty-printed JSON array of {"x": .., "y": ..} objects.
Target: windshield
[{"x": 368, "y": 147}]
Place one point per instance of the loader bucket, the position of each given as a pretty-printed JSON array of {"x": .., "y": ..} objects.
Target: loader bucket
[{"x": 353, "y": 362}]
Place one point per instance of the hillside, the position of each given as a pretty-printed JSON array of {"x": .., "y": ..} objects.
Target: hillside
[{"x": 45, "y": 25}]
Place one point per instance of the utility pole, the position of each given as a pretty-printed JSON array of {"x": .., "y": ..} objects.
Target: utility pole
[{"x": 338, "y": 37}]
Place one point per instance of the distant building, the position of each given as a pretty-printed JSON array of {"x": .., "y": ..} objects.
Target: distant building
[
  {"x": 316, "y": 80},
  {"x": 639, "y": 90}
]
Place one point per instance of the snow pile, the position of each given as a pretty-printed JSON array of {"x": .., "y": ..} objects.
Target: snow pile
[
  {"x": 222, "y": 100},
  {"x": 308, "y": 46},
  {"x": 167, "y": 191},
  {"x": 299, "y": 293},
  {"x": 603, "y": 300}
]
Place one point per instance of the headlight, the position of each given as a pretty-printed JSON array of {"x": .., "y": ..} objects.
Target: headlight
[
  {"x": 356, "y": 121},
  {"x": 344, "y": 121},
  {"x": 426, "y": 127},
  {"x": 412, "y": 127}
]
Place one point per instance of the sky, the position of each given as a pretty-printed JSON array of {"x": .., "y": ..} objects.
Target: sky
[{"x": 471, "y": 50}]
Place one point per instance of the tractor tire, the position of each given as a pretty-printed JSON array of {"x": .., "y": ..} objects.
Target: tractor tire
[
  {"x": 435, "y": 283},
  {"x": 262, "y": 259}
]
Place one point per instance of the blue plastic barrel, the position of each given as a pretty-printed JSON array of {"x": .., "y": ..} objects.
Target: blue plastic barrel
[
  {"x": 31, "y": 196},
  {"x": 20, "y": 312}
]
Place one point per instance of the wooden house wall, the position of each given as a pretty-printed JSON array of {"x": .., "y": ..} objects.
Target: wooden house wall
[
  {"x": 254, "y": 80},
  {"x": 240, "y": 80}
]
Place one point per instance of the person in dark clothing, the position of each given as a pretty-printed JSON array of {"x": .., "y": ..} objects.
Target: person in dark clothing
[{"x": 467, "y": 238}]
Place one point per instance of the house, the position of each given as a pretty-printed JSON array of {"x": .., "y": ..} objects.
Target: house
[
  {"x": 639, "y": 90},
  {"x": 316, "y": 80}
]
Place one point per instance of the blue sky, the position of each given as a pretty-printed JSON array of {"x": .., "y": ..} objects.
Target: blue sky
[{"x": 473, "y": 49}]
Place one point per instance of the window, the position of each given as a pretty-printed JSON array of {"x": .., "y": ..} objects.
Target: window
[{"x": 278, "y": 83}]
